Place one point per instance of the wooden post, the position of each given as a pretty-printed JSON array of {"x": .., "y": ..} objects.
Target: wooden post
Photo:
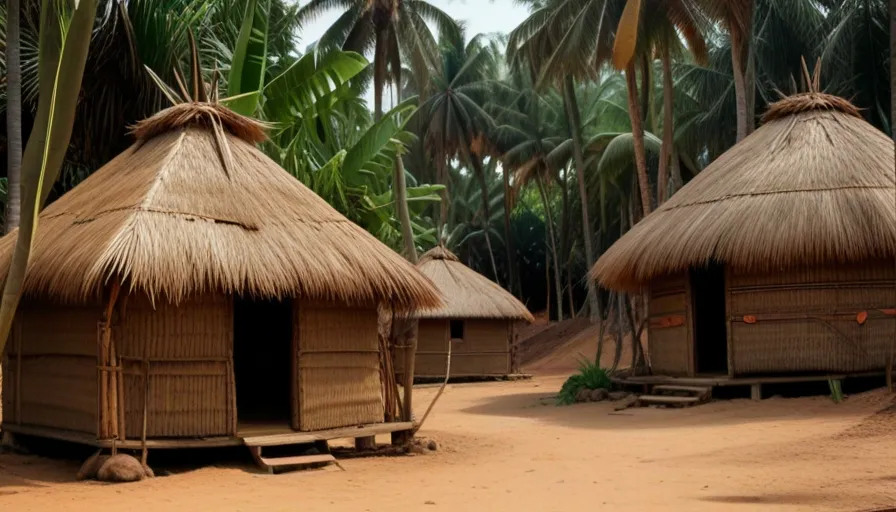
[
  {"x": 109, "y": 386},
  {"x": 756, "y": 391},
  {"x": 365, "y": 444},
  {"x": 17, "y": 331}
]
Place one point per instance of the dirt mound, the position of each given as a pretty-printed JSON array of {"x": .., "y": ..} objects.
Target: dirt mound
[
  {"x": 544, "y": 340},
  {"x": 565, "y": 357}
]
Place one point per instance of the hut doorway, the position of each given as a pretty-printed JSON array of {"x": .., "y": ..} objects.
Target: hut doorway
[
  {"x": 710, "y": 327},
  {"x": 262, "y": 361}
]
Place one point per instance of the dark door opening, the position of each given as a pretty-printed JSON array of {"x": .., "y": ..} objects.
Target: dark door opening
[
  {"x": 262, "y": 361},
  {"x": 710, "y": 325}
]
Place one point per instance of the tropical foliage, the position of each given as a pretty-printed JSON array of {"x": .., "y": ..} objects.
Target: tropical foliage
[{"x": 527, "y": 153}]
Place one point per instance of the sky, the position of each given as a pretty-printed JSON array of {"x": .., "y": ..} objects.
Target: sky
[{"x": 479, "y": 16}]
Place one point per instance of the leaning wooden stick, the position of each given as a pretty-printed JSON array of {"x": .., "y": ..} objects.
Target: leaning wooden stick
[{"x": 438, "y": 394}]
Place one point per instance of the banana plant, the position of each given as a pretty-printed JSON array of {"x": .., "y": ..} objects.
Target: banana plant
[
  {"x": 64, "y": 41},
  {"x": 245, "y": 84}
]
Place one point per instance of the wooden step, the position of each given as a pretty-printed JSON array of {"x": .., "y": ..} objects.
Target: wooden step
[
  {"x": 272, "y": 464},
  {"x": 670, "y": 400},
  {"x": 699, "y": 390},
  {"x": 299, "y": 460}
]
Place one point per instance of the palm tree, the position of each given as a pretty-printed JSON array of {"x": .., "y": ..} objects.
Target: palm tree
[
  {"x": 456, "y": 121},
  {"x": 13, "y": 117},
  {"x": 391, "y": 28}
]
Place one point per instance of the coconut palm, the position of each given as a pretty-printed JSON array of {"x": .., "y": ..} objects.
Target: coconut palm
[
  {"x": 13, "y": 70},
  {"x": 457, "y": 124}
]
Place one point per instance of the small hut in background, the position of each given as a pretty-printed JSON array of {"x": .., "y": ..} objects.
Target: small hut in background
[
  {"x": 477, "y": 319},
  {"x": 193, "y": 293},
  {"x": 777, "y": 259}
]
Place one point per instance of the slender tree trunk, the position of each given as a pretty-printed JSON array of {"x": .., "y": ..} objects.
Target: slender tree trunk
[
  {"x": 13, "y": 117},
  {"x": 550, "y": 222},
  {"x": 662, "y": 184},
  {"x": 750, "y": 85},
  {"x": 892, "y": 134},
  {"x": 620, "y": 331},
  {"x": 645, "y": 90},
  {"x": 634, "y": 112},
  {"x": 575, "y": 125},
  {"x": 509, "y": 243},
  {"x": 606, "y": 318},
  {"x": 442, "y": 179},
  {"x": 547, "y": 280},
  {"x": 740, "y": 84},
  {"x": 486, "y": 213},
  {"x": 380, "y": 57}
]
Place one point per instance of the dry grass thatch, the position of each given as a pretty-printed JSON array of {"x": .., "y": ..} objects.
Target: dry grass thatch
[
  {"x": 466, "y": 293},
  {"x": 166, "y": 218},
  {"x": 813, "y": 186}
]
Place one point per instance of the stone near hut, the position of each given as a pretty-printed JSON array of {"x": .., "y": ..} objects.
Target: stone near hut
[
  {"x": 432, "y": 446},
  {"x": 92, "y": 466},
  {"x": 123, "y": 468},
  {"x": 583, "y": 395},
  {"x": 598, "y": 394},
  {"x": 629, "y": 401},
  {"x": 618, "y": 395}
]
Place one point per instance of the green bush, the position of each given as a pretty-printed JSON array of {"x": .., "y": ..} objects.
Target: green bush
[{"x": 590, "y": 376}]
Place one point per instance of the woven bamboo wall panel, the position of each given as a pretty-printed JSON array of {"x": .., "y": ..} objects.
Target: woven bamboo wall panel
[
  {"x": 338, "y": 366},
  {"x": 59, "y": 392},
  {"x": 185, "y": 400},
  {"x": 669, "y": 347},
  {"x": 483, "y": 337},
  {"x": 187, "y": 348},
  {"x": 58, "y": 329},
  {"x": 478, "y": 364},
  {"x": 807, "y": 320},
  {"x": 197, "y": 328}
]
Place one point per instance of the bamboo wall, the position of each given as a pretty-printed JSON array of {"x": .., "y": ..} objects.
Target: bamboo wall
[
  {"x": 670, "y": 327},
  {"x": 817, "y": 320},
  {"x": 179, "y": 358},
  {"x": 338, "y": 364},
  {"x": 55, "y": 348},
  {"x": 484, "y": 351}
]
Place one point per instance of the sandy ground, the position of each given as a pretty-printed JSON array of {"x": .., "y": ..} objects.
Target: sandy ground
[{"x": 506, "y": 447}]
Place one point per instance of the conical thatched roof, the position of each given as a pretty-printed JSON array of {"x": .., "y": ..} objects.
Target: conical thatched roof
[
  {"x": 466, "y": 293},
  {"x": 814, "y": 185},
  {"x": 194, "y": 206}
]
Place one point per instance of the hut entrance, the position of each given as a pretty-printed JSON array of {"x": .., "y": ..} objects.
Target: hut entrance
[
  {"x": 262, "y": 361},
  {"x": 710, "y": 328}
]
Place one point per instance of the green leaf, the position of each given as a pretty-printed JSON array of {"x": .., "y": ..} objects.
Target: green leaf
[{"x": 250, "y": 57}]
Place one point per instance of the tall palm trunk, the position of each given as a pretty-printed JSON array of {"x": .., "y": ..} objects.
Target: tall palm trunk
[
  {"x": 442, "y": 179},
  {"x": 550, "y": 222},
  {"x": 486, "y": 211},
  {"x": 662, "y": 184},
  {"x": 575, "y": 125},
  {"x": 13, "y": 117},
  {"x": 740, "y": 85},
  {"x": 634, "y": 113},
  {"x": 509, "y": 244}
]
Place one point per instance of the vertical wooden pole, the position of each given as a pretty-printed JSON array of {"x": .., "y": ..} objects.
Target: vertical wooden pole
[
  {"x": 17, "y": 331},
  {"x": 109, "y": 388}
]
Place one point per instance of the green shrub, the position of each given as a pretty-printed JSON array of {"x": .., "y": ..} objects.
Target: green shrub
[{"x": 590, "y": 376}]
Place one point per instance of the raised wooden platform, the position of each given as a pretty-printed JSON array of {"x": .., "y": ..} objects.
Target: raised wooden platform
[
  {"x": 256, "y": 437},
  {"x": 648, "y": 382},
  {"x": 460, "y": 379}
]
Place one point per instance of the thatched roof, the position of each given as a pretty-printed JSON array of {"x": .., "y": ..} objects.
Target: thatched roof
[
  {"x": 815, "y": 185},
  {"x": 466, "y": 293},
  {"x": 192, "y": 207}
]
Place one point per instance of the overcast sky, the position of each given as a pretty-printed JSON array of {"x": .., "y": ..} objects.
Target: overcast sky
[{"x": 479, "y": 16}]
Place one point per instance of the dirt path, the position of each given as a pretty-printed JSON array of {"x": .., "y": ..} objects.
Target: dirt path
[{"x": 506, "y": 447}]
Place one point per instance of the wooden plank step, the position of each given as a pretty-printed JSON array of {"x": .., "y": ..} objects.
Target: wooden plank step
[
  {"x": 299, "y": 460},
  {"x": 700, "y": 390},
  {"x": 670, "y": 400}
]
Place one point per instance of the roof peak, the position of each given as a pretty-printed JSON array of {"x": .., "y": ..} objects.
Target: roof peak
[
  {"x": 809, "y": 102},
  {"x": 438, "y": 252},
  {"x": 207, "y": 115}
]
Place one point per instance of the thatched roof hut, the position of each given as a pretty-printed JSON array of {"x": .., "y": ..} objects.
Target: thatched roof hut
[
  {"x": 478, "y": 317},
  {"x": 226, "y": 291},
  {"x": 792, "y": 225}
]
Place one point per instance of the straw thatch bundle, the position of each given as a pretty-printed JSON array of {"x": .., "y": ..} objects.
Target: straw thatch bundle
[
  {"x": 193, "y": 206},
  {"x": 465, "y": 292},
  {"x": 814, "y": 185}
]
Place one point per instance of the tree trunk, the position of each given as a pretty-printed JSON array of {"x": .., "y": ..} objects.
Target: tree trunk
[
  {"x": 890, "y": 355},
  {"x": 662, "y": 184},
  {"x": 509, "y": 244},
  {"x": 380, "y": 57},
  {"x": 575, "y": 125},
  {"x": 13, "y": 117},
  {"x": 645, "y": 91},
  {"x": 634, "y": 113},
  {"x": 442, "y": 179},
  {"x": 740, "y": 86},
  {"x": 550, "y": 222},
  {"x": 486, "y": 214}
]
